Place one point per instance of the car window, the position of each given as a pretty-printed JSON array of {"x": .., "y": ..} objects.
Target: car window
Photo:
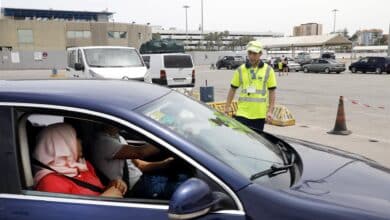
[
  {"x": 146, "y": 58},
  {"x": 364, "y": 60},
  {"x": 323, "y": 61},
  {"x": 87, "y": 130},
  {"x": 79, "y": 56},
  {"x": 177, "y": 61},
  {"x": 112, "y": 57},
  {"x": 71, "y": 58},
  {"x": 217, "y": 134}
]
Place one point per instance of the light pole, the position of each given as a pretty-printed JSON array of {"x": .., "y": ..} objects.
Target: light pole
[
  {"x": 201, "y": 24},
  {"x": 186, "y": 7},
  {"x": 201, "y": 6},
  {"x": 334, "y": 19},
  {"x": 388, "y": 43}
]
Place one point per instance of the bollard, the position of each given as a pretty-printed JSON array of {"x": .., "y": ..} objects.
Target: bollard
[{"x": 207, "y": 93}]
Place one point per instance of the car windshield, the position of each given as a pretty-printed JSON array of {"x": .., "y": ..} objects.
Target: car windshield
[
  {"x": 221, "y": 136},
  {"x": 113, "y": 57}
]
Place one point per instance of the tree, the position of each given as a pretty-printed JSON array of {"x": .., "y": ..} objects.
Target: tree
[
  {"x": 345, "y": 33},
  {"x": 156, "y": 36}
]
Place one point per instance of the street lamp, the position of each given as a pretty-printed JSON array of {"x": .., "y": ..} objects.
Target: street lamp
[
  {"x": 201, "y": 24},
  {"x": 201, "y": 6},
  {"x": 186, "y": 7},
  {"x": 334, "y": 19}
]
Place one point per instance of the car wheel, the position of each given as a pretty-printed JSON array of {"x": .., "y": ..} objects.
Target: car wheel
[
  {"x": 305, "y": 69},
  {"x": 296, "y": 70},
  {"x": 353, "y": 70},
  {"x": 378, "y": 70},
  {"x": 338, "y": 72},
  {"x": 327, "y": 70}
]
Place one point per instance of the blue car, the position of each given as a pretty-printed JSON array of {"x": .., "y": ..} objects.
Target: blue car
[{"x": 234, "y": 173}]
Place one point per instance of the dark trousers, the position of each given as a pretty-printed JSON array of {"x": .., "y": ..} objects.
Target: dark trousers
[{"x": 254, "y": 124}]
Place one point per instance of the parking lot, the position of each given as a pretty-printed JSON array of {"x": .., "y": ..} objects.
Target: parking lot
[{"x": 313, "y": 100}]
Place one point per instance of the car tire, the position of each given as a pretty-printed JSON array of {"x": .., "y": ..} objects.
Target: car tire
[
  {"x": 338, "y": 72},
  {"x": 378, "y": 70},
  {"x": 296, "y": 70},
  {"x": 305, "y": 70},
  {"x": 327, "y": 70},
  {"x": 353, "y": 70}
]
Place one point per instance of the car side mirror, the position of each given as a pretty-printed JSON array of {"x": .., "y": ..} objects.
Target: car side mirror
[
  {"x": 193, "y": 199},
  {"x": 79, "y": 67}
]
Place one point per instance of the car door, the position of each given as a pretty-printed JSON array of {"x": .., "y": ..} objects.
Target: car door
[
  {"x": 362, "y": 65},
  {"x": 19, "y": 201},
  {"x": 322, "y": 64},
  {"x": 372, "y": 64},
  {"x": 313, "y": 66},
  {"x": 179, "y": 69}
]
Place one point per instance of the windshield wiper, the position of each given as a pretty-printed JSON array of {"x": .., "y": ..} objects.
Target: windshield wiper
[{"x": 274, "y": 169}]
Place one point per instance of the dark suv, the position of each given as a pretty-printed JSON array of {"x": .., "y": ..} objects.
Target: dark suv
[
  {"x": 371, "y": 64},
  {"x": 230, "y": 62}
]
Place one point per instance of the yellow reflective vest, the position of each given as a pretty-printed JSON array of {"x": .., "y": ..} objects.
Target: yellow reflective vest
[{"x": 254, "y": 84}]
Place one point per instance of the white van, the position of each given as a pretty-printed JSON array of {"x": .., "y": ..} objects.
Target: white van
[
  {"x": 106, "y": 62},
  {"x": 171, "y": 69}
]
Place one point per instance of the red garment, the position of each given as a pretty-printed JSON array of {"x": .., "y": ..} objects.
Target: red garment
[{"x": 56, "y": 183}]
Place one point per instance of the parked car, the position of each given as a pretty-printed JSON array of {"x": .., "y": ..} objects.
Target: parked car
[
  {"x": 303, "y": 58},
  {"x": 328, "y": 55},
  {"x": 106, "y": 62},
  {"x": 171, "y": 69},
  {"x": 293, "y": 66},
  {"x": 371, "y": 64},
  {"x": 324, "y": 65},
  {"x": 233, "y": 172},
  {"x": 230, "y": 62}
]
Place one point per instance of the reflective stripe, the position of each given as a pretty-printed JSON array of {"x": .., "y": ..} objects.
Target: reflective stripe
[
  {"x": 250, "y": 99},
  {"x": 266, "y": 79},
  {"x": 258, "y": 91},
  {"x": 240, "y": 75}
]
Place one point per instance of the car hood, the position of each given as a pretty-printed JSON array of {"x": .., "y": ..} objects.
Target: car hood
[
  {"x": 120, "y": 72},
  {"x": 341, "y": 178}
]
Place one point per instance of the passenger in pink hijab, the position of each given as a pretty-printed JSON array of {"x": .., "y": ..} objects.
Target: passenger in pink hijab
[{"x": 59, "y": 148}]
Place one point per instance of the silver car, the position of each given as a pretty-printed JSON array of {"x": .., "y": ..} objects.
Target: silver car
[
  {"x": 324, "y": 65},
  {"x": 293, "y": 66}
]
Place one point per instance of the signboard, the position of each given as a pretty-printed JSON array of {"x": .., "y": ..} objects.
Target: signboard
[
  {"x": 15, "y": 57},
  {"x": 37, "y": 56}
]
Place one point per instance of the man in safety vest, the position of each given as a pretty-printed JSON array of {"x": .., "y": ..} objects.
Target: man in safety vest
[{"x": 257, "y": 82}]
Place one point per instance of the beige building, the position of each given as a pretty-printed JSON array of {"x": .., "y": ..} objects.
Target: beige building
[
  {"x": 56, "y": 34},
  {"x": 50, "y": 32},
  {"x": 307, "y": 29}
]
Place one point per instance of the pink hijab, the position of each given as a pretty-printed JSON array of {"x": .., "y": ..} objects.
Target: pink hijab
[{"x": 57, "y": 148}]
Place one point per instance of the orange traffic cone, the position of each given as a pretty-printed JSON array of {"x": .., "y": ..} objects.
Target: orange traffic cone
[{"x": 340, "y": 127}]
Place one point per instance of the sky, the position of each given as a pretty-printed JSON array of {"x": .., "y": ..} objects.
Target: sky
[{"x": 243, "y": 15}]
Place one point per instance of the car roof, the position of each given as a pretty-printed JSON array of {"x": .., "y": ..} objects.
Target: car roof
[{"x": 88, "y": 94}]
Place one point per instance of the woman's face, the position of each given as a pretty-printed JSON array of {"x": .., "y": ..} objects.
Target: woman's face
[{"x": 79, "y": 149}]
